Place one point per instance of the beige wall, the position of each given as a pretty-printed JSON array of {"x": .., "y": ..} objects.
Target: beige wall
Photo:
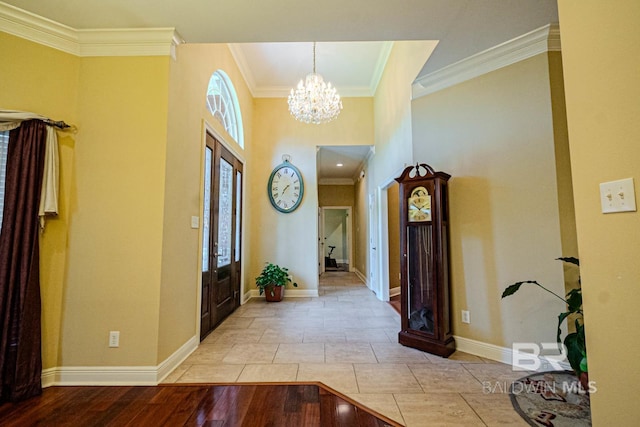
[
  {"x": 96, "y": 277},
  {"x": 181, "y": 245},
  {"x": 117, "y": 199},
  {"x": 393, "y": 215},
  {"x": 392, "y": 109},
  {"x": 31, "y": 84},
  {"x": 335, "y": 234},
  {"x": 291, "y": 239},
  {"x": 602, "y": 92},
  {"x": 336, "y": 195},
  {"x": 393, "y": 149},
  {"x": 494, "y": 134},
  {"x": 339, "y": 195},
  {"x": 360, "y": 218}
]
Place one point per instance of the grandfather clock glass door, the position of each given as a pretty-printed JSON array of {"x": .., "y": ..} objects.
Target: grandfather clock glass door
[
  {"x": 424, "y": 263},
  {"x": 220, "y": 236}
]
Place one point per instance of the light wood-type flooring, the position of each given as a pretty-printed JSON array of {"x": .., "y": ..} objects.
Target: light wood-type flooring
[{"x": 347, "y": 339}]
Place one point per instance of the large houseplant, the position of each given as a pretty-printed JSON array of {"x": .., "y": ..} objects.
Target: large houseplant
[
  {"x": 272, "y": 281},
  {"x": 574, "y": 341}
]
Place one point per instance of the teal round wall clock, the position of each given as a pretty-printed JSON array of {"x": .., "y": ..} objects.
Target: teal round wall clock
[{"x": 285, "y": 187}]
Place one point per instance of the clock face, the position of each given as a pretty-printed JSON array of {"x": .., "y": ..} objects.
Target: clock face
[
  {"x": 285, "y": 187},
  {"x": 419, "y": 205}
]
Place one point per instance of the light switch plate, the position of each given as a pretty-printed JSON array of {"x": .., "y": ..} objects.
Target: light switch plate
[
  {"x": 195, "y": 221},
  {"x": 618, "y": 196}
]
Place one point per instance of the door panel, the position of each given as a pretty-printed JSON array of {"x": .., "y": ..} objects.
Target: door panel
[{"x": 221, "y": 231}]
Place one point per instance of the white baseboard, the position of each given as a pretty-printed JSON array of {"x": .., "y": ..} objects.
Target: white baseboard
[
  {"x": 117, "y": 375},
  {"x": 100, "y": 375},
  {"x": 178, "y": 356},
  {"x": 289, "y": 293},
  {"x": 361, "y": 276},
  {"x": 499, "y": 354},
  {"x": 394, "y": 291}
]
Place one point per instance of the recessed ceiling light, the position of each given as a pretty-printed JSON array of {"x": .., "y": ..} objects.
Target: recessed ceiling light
[{"x": 339, "y": 165}]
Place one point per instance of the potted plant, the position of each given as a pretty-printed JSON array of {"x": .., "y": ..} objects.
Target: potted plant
[
  {"x": 272, "y": 281},
  {"x": 575, "y": 341}
]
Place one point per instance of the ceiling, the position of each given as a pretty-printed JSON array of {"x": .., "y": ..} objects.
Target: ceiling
[
  {"x": 351, "y": 159},
  {"x": 272, "y": 39}
]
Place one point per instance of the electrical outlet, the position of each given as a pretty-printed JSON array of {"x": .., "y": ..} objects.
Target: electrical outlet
[
  {"x": 465, "y": 316},
  {"x": 114, "y": 339}
]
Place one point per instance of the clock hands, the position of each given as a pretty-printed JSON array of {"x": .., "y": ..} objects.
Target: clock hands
[{"x": 285, "y": 188}]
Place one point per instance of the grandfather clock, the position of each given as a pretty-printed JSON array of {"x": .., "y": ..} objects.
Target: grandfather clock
[{"x": 424, "y": 264}]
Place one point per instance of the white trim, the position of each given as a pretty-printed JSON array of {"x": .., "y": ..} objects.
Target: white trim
[
  {"x": 127, "y": 42},
  {"x": 288, "y": 293},
  {"x": 538, "y": 41},
  {"x": 349, "y": 232},
  {"x": 243, "y": 65},
  {"x": 379, "y": 69},
  {"x": 497, "y": 353},
  {"x": 361, "y": 276},
  {"x": 27, "y": 25},
  {"x": 336, "y": 181},
  {"x": 100, "y": 375},
  {"x": 118, "y": 375},
  {"x": 84, "y": 43},
  {"x": 246, "y": 297},
  {"x": 283, "y": 91},
  {"x": 48, "y": 377},
  {"x": 394, "y": 291},
  {"x": 178, "y": 356}
]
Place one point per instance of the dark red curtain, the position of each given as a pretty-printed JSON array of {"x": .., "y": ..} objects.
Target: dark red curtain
[{"x": 20, "y": 340}]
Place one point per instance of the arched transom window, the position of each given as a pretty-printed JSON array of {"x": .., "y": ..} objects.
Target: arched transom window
[{"x": 222, "y": 102}]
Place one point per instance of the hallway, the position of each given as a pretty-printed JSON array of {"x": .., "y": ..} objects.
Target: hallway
[{"x": 347, "y": 339}]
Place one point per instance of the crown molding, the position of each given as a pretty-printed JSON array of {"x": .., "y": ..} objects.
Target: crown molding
[
  {"x": 336, "y": 181},
  {"x": 379, "y": 70},
  {"x": 538, "y": 41},
  {"x": 84, "y": 43},
  {"x": 245, "y": 70},
  {"x": 283, "y": 91}
]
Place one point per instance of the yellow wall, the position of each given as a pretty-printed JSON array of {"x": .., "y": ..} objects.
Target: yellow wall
[
  {"x": 494, "y": 134},
  {"x": 601, "y": 56},
  {"x": 393, "y": 149},
  {"x": 181, "y": 252},
  {"x": 336, "y": 195},
  {"x": 360, "y": 219},
  {"x": 393, "y": 215},
  {"x": 117, "y": 199},
  {"x": 101, "y": 257},
  {"x": 29, "y": 83},
  {"x": 392, "y": 108},
  {"x": 339, "y": 195},
  {"x": 291, "y": 239}
]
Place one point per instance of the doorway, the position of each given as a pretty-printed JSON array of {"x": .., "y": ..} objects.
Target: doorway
[
  {"x": 336, "y": 238},
  {"x": 221, "y": 235}
]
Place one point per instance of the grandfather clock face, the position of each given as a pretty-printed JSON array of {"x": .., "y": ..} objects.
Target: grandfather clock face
[{"x": 419, "y": 205}]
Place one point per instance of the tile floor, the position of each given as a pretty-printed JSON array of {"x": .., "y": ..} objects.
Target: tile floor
[{"x": 347, "y": 339}]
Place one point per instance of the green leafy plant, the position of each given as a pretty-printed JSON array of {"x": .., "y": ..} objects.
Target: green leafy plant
[
  {"x": 273, "y": 275},
  {"x": 574, "y": 341}
]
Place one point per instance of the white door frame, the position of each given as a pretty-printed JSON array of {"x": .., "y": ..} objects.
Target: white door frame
[
  {"x": 349, "y": 233},
  {"x": 383, "y": 237}
]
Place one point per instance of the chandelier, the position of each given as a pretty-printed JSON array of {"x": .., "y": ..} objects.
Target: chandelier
[{"x": 314, "y": 101}]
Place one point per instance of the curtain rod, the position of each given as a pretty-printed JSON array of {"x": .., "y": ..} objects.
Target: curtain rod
[
  {"x": 10, "y": 119},
  {"x": 59, "y": 124}
]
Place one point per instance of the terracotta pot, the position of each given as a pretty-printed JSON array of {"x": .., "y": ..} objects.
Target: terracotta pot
[
  {"x": 584, "y": 381},
  {"x": 274, "y": 293}
]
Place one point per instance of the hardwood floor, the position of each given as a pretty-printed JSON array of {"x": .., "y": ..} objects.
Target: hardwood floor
[{"x": 253, "y": 405}]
